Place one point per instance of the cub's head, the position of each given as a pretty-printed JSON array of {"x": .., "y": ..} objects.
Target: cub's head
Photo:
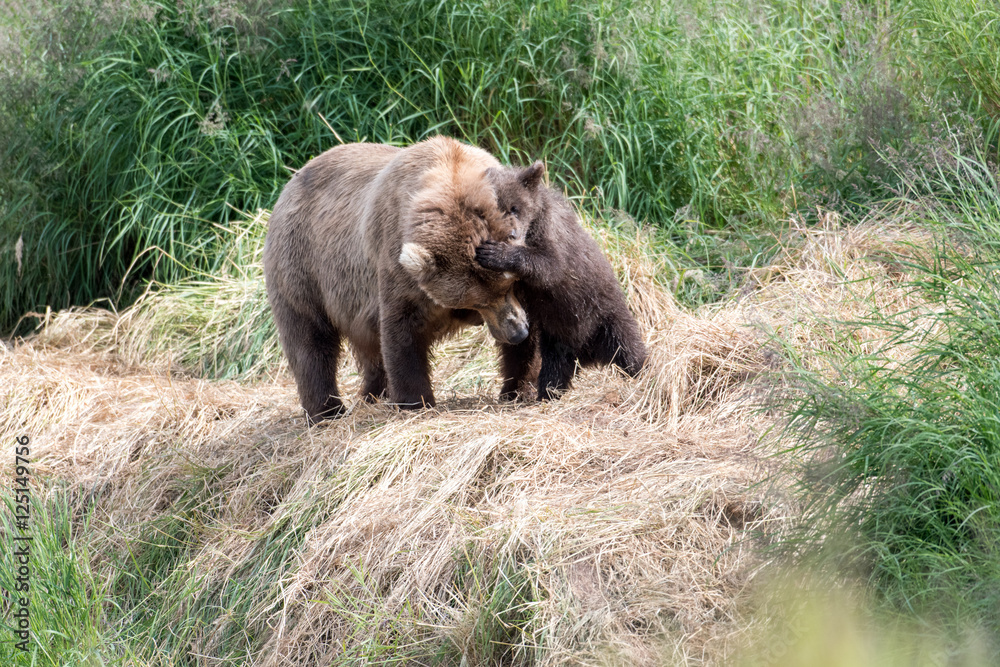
[
  {"x": 520, "y": 193},
  {"x": 439, "y": 241}
]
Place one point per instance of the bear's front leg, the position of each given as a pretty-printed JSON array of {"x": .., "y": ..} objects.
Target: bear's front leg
[
  {"x": 406, "y": 351},
  {"x": 502, "y": 257},
  {"x": 558, "y": 368},
  {"x": 519, "y": 366}
]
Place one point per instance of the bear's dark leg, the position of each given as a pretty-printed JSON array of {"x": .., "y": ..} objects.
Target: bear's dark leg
[
  {"x": 376, "y": 385},
  {"x": 616, "y": 341},
  {"x": 406, "y": 351},
  {"x": 629, "y": 350},
  {"x": 558, "y": 366},
  {"x": 518, "y": 363},
  {"x": 312, "y": 347},
  {"x": 368, "y": 353}
]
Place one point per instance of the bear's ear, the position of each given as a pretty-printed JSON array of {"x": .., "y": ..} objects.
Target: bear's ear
[
  {"x": 416, "y": 259},
  {"x": 531, "y": 176}
]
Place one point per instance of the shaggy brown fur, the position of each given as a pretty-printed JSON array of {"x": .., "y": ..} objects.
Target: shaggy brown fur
[
  {"x": 376, "y": 244},
  {"x": 575, "y": 305}
]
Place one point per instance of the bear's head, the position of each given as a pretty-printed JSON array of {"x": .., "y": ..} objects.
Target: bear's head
[{"x": 448, "y": 219}]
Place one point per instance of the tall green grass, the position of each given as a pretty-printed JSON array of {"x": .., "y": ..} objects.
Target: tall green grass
[
  {"x": 183, "y": 112},
  {"x": 209, "y": 324},
  {"x": 965, "y": 38},
  {"x": 904, "y": 483},
  {"x": 135, "y": 129}
]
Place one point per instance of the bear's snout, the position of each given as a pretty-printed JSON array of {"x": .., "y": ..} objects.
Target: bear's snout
[
  {"x": 519, "y": 331},
  {"x": 507, "y": 323}
]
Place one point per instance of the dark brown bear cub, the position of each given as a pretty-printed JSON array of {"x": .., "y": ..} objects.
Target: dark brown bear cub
[{"x": 576, "y": 308}]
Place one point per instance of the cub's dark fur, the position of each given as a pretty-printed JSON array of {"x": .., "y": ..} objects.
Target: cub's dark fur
[{"x": 576, "y": 308}]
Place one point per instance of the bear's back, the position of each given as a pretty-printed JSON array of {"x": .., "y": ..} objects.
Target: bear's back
[{"x": 314, "y": 255}]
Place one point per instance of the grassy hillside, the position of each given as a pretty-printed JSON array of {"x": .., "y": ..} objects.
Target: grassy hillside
[
  {"x": 216, "y": 524},
  {"x": 179, "y": 516}
]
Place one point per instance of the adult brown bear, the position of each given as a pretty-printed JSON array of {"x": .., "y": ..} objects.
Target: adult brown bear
[
  {"x": 376, "y": 244},
  {"x": 574, "y": 303}
]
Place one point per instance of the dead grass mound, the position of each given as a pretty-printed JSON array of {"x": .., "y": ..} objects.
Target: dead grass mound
[{"x": 611, "y": 525}]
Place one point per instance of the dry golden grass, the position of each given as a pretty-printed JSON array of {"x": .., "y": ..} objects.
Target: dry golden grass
[{"x": 624, "y": 509}]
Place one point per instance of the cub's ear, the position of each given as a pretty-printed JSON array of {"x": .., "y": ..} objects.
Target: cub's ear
[
  {"x": 531, "y": 176},
  {"x": 416, "y": 259}
]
